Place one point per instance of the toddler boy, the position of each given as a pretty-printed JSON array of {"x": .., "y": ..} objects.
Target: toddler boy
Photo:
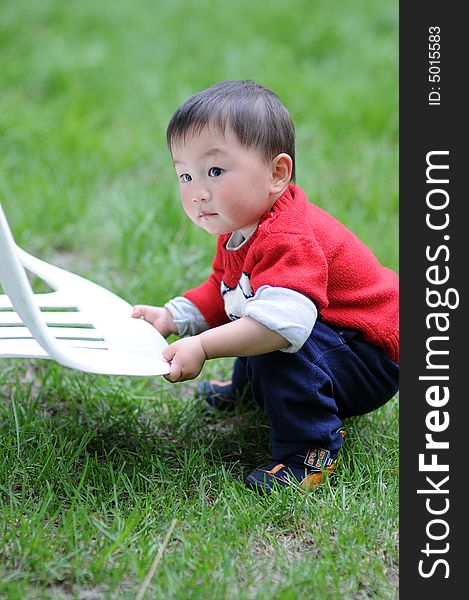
[{"x": 305, "y": 307}]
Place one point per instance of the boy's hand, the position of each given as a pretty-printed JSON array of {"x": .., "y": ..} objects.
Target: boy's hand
[
  {"x": 159, "y": 317},
  {"x": 186, "y": 358}
]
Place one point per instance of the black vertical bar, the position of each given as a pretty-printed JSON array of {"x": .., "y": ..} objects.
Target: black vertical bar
[{"x": 434, "y": 254}]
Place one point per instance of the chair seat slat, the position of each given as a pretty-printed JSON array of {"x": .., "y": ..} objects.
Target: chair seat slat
[
  {"x": 77, "y": 319},
  {"x": 30, "y": 347},
  {"x": 77, "y": 333}
]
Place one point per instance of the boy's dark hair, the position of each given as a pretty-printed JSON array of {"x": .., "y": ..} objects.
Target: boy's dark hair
[{"x": 253, "y": 112}]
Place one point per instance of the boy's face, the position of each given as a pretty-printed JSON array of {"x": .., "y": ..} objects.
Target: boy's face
[{"x": 224, "y": 186}]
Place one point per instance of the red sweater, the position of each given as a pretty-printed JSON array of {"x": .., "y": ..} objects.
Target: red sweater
[{"x": 301, "y": 247}]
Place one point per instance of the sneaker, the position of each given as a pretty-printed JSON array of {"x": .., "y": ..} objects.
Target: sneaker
[
  {"x": 304, "y": 471},
  {"x": 219, "y": 394}
]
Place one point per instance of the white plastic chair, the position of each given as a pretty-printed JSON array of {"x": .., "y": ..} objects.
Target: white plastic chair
[{"x": 80, "y": 324}]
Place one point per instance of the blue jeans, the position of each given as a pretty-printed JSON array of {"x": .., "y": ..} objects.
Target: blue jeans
[{"x": 305, "y": 395}]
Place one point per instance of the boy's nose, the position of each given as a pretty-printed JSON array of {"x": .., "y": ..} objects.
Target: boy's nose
[{"x": 201, "y": 196}]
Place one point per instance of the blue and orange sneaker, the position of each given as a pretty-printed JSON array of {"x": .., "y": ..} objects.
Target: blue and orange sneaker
[
  {"x": 220, "y": 395},
  {"x": 303, "y": 471}
]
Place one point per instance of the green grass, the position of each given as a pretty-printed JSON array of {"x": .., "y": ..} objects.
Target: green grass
[{"x": 94, "y": 470}]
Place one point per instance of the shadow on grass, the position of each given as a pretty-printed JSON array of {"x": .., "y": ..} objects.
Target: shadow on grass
[{"x": 65, "y": 424}]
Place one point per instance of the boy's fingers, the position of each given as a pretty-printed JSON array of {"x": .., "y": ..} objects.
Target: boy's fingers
[
  {"x": 175, "y": 370},
  {"x": 147, "y": 312},
  {"x": 136, "y": 311},
  {"x": 174, "y": 375},
  {"x": 169, "y": 352},
  {"x": 140, "y": 310}
]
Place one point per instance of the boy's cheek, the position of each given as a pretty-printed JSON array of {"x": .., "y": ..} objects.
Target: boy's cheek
[{"x": 190, "y": 211}]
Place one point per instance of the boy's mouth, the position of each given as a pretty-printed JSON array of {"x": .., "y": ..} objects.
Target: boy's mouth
[{"x": 203, "y": 213}]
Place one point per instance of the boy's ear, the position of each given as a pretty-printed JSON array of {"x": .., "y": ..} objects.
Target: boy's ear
[{"x": 282, "y": 166}]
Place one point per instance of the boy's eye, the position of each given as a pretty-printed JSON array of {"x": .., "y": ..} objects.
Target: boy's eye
[
  {"x": 185, "y": 177},
  {"x": 215, "y": 172}
]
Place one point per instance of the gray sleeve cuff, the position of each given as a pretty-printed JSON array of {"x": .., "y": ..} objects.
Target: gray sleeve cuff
[
  {"x": 289, "y": 313},
  {"x": 186, "y": 316}
]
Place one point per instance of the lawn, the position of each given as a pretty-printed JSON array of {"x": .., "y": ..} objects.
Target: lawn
[{"x": 106, "y": 481}]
